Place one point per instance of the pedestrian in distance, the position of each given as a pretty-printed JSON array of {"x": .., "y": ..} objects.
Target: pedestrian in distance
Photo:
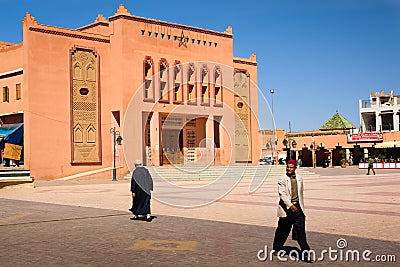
[
  {"x": 141, "y": 187},
  {"x": 371, "y": 165},
  {"x": 291, "y": 211},
  {"x": 299, "y": 162}
]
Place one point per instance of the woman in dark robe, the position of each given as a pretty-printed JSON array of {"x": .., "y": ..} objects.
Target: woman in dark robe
[{"x": 141, "y": 187}]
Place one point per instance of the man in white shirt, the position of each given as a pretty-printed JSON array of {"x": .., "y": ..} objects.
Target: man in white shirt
[{"x": 291, "y": 210}]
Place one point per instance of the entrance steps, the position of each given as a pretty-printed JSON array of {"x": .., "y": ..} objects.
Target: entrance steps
[
  {"x": 221, "y": 172},
  {"x": 13, "y": 177}
]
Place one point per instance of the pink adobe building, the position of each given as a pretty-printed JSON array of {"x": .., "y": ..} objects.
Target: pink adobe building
[{"x": 175, "y": 94}]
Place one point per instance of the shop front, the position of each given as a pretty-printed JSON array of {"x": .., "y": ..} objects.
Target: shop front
[{"x": 11, "y": 144}]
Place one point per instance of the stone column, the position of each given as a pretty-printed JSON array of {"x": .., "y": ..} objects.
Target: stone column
[
  {"x": 378, "y": 121},
  {"x": 155, "y": 132},
  {"x": 210, "y": 139},
  {"x": 396, "y": 122}
]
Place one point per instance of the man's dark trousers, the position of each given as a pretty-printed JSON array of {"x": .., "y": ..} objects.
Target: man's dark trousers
[{"x": 298, "y": 221}]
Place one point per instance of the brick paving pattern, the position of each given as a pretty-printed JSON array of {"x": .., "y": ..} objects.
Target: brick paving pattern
[{"x": 86, "y": 223}]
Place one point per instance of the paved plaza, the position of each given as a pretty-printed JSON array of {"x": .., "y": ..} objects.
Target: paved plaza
[{"x": 86, "y": 223}]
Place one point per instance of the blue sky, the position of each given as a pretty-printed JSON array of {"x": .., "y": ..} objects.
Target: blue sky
[{"x": 320, "y": 56}]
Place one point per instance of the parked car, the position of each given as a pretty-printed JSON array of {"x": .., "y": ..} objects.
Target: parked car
[{"x": 265, "y": 161}]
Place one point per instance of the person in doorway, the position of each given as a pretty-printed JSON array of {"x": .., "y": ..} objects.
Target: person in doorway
[
  {"x": 291, "y": 211},
  {"x": 141, "y": 187},
  {"x": 371, "y": 165},
  {"x": 299, "y": 162}
]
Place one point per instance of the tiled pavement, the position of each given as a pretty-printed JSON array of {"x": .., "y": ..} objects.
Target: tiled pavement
[{"x": 85, "y": 223}]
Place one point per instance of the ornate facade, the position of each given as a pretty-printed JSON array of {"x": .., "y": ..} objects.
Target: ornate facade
[{"x": 174, "y": 93}]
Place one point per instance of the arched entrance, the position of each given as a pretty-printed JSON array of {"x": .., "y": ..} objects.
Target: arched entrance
[
  {"x": 336, "y": 156},
  {"x": 321, "y": 155},
  {"x": 306, "y": 157},
  {"x": 357, "y": 153}
]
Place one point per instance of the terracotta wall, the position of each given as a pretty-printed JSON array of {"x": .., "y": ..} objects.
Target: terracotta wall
[
  {"x": 45, "y": 59},
  {"x": 14, "y": 105},
  {"x": 47, "y": 116},
  {"x": 250, "y": 66},
  {"x": 130, "y": 54},
  {"x": 11, "y": 58}
]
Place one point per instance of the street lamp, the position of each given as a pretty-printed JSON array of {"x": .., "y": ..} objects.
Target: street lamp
[
  {"x": 268, "y": 146},
  {"x": 293, "y": 144},
  {"x": 272, "y": 91},
  {"x": 116, "y": 140},
  {"x": 313, "y": 148}
]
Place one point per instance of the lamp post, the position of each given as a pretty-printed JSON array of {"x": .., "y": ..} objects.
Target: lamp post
[
  {"x": 292, "y": 144},
  {"x": 272, "y": 91},
  {"x": 116, "y": 140},
  {"x": 313, "y": 148}
]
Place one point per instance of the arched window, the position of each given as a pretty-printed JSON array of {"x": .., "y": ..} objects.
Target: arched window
[
  {"x": 218, "y": 99},
  {"x": 163, "y": 81},
  {"x": 178, "y": 80},
  {"x": 205, "y": 85},
  {"x": 148, "y": 83},
  {"x": 191, "y": 85}
]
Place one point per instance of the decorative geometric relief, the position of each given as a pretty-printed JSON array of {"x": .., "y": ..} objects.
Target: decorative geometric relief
[
  {"x": 242, "y": 118},
  {"x": 85, "y": 107},
  {"x": 77, "y": 71},
  {"x": 91, "y": 134},
  {"x": 78, "y": 134},
  {"x": 90, "y": 73}
]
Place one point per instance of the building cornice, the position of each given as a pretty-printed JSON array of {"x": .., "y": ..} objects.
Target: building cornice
[
  {"x": 244, "y": 61},
  {"x": 100, "y": 23},
  {"x": 169, "y": 24},
  {"x": 11, "y": 73},
  {"x": 70, "y": 34},
  {"x": 12, "y": 113}
]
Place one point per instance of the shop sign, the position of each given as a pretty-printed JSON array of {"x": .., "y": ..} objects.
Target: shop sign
[{"x": 365, "y": 137}]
